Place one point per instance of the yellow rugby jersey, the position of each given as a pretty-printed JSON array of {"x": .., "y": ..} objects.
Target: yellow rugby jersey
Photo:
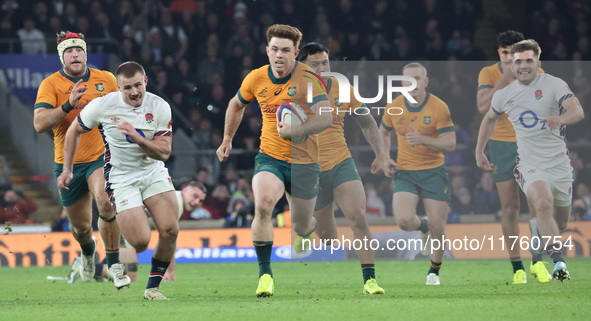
[
  {"x": 332, "y": 144},
  {"x": 270, "y": 92},
  {"x": 432, "y": 118},
  {"x": 488, "y": 78},
  {"x": 55, "y": 90}
]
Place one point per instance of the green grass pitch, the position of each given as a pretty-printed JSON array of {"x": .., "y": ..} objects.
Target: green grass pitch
[{"x": 470, "y": 290}]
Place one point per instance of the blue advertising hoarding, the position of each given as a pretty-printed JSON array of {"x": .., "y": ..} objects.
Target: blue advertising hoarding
[{"x": 26, "y": 72}]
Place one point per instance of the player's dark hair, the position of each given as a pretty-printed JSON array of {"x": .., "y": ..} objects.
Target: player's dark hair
[
  {"x": 509, "y": 38},
  {"x": 129, "y": 69},
  {"x": 198, "y": 185},
  {"x": 526, "y": 45},
  {"x": 286, "y": 32},
  {"x": 311, "y": 48}
]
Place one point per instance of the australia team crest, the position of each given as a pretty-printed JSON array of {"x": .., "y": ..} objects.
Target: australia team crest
[
  {"x": 100, "y": 87},
  {"x": 427, "y": 120},
  {"x": 292, "y": 91}
]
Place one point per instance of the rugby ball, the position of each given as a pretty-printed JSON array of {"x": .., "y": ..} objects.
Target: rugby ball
[{"x": 291, "y": 113}]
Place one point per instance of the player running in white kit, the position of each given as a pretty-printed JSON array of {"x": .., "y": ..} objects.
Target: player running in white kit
[
  {"x": 539, "y": 106},
  {"x": 136, "y": 128}
]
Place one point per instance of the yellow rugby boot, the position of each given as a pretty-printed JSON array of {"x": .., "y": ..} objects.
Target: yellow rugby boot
[{"x": 266, "y": 286}]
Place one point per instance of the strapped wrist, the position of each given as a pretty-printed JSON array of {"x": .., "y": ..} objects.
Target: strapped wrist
[{"x": 67, "y": 107}]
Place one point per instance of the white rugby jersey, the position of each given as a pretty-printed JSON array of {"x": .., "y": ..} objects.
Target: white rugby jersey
[
  {"x": 526, "y": 107},
  {"x": 124, "y": 159}
]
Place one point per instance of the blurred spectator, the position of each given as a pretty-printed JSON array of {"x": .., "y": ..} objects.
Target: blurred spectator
[
  {"x": 580, "y": 174},
  {"x": 559, "y": 53},
  {"x": 217, "y": 204},
  {"x": 584, "y": 48},
  {"x": 581, "y": 210},
  {"x": 240, "y": 212},
  {"x": 129, "y": 50},
  {"x": 104, "y": 29},
  {"x": 7, "y": 32},
  {"x": 70, "y": 16},
  {"x": 32, "y": 39},
  {"x": 156, "y": 46},
  {"x": 202, "y": 136},
  {"x": 58, "y": 6},
  {"x": 353, "y": 48},
  {"x": 202, "y": 177},
  {"x": 456, "y": 160},
  {"x": 9, "y": 11},
  {"x": 486, "y": 198},
  {"x": 138, "y": 30},
  {"x": 461, "y": 203},
  {"x": 16, "y": 208},
  {"x": 61, "y": 224},
  {"x": 174, "y": 39},
  {"x": 123, "y": 17},
  {"x": 326, "y": 38},
  {"x": 241, "y": 37},
  {"x": 461, "y": 199},
  {"x": 467, "y": 51},
  {"x": 41, "y": 15},
  {"x": 210, "y": 65},
  {"x": 230, "y": 179},
  {"x": 375, "y": 206}
]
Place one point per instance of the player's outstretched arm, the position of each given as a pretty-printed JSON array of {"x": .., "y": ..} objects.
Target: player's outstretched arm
[
  {"x": 486, "y": 128},
  {"x": 234, "y": 115},
  {"x": 573, "y": 114},
  {"x": 370, "y": 131},
  {"x": 71, "y": 143}
]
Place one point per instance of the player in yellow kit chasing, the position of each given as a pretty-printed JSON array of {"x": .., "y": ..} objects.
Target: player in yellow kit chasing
[
  {"x": 281, "y": 167},
  {"x": 339, "y": 179},
  {"x": 425, "y": 131}
]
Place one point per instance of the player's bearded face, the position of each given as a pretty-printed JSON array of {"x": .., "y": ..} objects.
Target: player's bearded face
[
  {"x": 133, "y": 89},
  {"x": 281, "y": 53},
  {"x": 525, "y": 66},
  {"x": 75, "y": 62}
]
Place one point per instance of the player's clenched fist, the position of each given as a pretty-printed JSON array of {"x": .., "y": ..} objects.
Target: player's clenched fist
[
  {"x": 64, "y": 179},
  {"x": 483, "y": 162}
]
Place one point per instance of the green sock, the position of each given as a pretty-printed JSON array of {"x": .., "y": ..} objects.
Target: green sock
[
  {"x": 88, "y": 249},
  {"x": 434, "y": 267},
  {"x": 536, "y": 258},
  {"x": 517, "y": 264},
  {"x": 263, "y": 250},
  {"x": 369, "y": 272},
  {"x": 112, "y": 257},
  {"x": 424, "y": 227}
]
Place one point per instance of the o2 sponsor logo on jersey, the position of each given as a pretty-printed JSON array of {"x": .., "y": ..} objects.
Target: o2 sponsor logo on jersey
[{"x": 526, "y": 118}]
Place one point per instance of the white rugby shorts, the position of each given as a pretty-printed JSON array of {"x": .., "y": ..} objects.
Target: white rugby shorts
[{"x": 559, "y": 179}]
